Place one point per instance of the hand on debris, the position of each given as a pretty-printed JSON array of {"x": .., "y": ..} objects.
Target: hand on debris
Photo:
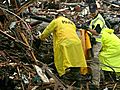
[
  {"x": 37, "y": 41},
  {"x": 37, "y": 35}
]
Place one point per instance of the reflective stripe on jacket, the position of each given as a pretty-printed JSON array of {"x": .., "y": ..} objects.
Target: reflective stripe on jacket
[{"x": 98, "y": 20}]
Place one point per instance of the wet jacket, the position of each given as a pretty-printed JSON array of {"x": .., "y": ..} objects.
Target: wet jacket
[
  {"x": 68, "y": 50},
  {"x": 110, "y": 52}
]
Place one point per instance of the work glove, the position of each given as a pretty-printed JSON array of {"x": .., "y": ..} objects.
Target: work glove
[
  {"x": 93, "y": 40},
  {"x": 37, "y": 41},
  {"x": 37, "y": 35},
  {"x": 84, "y": 26}
]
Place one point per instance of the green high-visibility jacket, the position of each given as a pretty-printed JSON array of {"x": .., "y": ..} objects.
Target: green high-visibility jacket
[
  {"x": 98, "y": 20},
  {"x": 68, "y": 50},
  {"x": 110, "y": 52}
]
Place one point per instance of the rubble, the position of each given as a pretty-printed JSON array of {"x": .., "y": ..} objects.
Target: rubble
[{"x": 28, "y": 64}]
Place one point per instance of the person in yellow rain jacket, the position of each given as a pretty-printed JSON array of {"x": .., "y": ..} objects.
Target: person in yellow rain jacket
[
  {"x": 68, "y": 50},
  {"x": 110, "y": 52}
]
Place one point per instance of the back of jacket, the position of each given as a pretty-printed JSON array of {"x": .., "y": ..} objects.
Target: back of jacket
[
  {"x": 65, "y": 29},
  {"x": 110, "y": 52},
  {"x": 68, "y": 50}
]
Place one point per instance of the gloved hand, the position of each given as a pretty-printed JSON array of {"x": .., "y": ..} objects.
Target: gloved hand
[
  {"x": 37, "y": 41},
  {"x": 84, "y": 26},
  {"x": 37, "y": 35},
  {"x": 93, "y": 40}
]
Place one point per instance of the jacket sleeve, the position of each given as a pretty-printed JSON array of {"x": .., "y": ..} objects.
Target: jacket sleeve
[{"x": 48, "y": 30}]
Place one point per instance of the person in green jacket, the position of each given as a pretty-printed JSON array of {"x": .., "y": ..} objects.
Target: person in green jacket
[
  {"x": 68, "y": 51},
  {"x": 110, "y": 51},
  {"x": 96, "y": 22},
  {"x": 109, "y": 54}
]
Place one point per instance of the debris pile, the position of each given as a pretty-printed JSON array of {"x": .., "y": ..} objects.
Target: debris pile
[{"x": 26, "y": 63}]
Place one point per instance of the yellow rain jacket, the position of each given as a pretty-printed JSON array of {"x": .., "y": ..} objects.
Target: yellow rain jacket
[
  {"x": 110, "y": 52},
  {"x": 68, "y": 50}
]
